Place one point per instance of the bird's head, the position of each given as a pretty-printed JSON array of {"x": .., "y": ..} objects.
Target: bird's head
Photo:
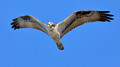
[{"x": 51, "y": 26}]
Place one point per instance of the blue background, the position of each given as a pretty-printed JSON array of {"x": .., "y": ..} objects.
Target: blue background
[{"x": 90, "y": 45}]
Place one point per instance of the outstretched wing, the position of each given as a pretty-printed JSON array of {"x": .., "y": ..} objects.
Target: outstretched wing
[
  {"x": 28, "y": 21},
  {"x": 80, "y": 17}
]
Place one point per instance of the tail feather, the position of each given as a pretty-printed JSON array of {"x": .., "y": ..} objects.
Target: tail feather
[{"x": 60, "y": 46}]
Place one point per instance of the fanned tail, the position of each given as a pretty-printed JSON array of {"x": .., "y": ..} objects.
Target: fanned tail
[{"x": 60, "y": 46}]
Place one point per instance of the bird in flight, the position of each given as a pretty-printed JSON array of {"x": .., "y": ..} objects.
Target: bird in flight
[{"x": 57, "y": 31}]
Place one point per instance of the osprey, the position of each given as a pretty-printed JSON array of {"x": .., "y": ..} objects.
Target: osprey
[{"x": 57, "y": 31}]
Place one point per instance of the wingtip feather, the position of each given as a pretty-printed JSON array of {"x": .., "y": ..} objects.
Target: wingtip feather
[
  {"x": 104, "y": 11},
  {"x": 105, "y": 17}
]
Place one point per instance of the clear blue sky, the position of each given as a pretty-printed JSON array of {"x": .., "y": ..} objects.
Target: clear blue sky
[{"x": 90, "y": 45}]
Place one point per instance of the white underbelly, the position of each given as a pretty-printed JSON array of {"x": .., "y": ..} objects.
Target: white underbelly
[{"x": 54, "y": 34}]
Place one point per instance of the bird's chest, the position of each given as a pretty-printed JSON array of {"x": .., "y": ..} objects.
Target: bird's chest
[{"x": 54, "y": 34}]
